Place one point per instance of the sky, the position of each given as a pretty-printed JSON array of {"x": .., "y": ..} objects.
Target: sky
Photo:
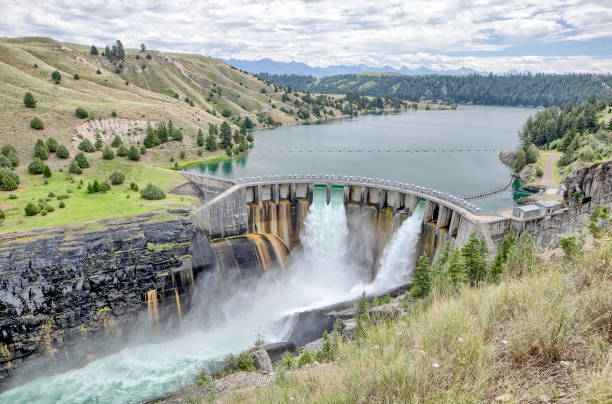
[{"x": 486, "y": 35}]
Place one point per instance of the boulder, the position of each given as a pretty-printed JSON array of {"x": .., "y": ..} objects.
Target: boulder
[
  {"x": 508, "y": 158},
  {"x": 261, "y": 360},
  {"x": 276, "y": 350}
]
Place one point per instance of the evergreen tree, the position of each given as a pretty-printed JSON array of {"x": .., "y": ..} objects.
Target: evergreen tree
[
  {"x": 81, "y": 160},
  {"x": 94, "y": 50},
  {"x": 162, "y": 133},
  {"x": 116, "y": 141},
  {"x": 248, "y": 123},
  {"x": 211, "y": 142},
  {"x": 421, "y": 282},
  {"x": 497, "y": 267},
  {"x": 52, "y": 145},
  {"x": 62, "y": 152},
  {"x": 226, "y": 135},
  {"x": 236, "y": 136},
  {"x": 474, "y": 253},
  {"x": 46, "y": 171},
  {"x": 200, "y": 138},
  {"x": 456, "y": 272},
  {"x": 142, "y": 47},
  {"x": 107, "y": 52},
  {"x": 56, "y": 76},
  {"x": 29, "y": 101},
  {"x": 40, "y": 150},
  {"x": 362, "y": 314},
  {"x": 228, "y": 150},
  {"x": 134, "y": 153}
]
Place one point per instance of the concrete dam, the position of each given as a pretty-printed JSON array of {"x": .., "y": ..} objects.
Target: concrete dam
[{"x": 261, "y": 219}]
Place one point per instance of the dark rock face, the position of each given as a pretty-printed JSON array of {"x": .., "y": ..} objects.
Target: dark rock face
[
  {"x": 60, "y": 289},
  {"x": 594, "y": 181}
]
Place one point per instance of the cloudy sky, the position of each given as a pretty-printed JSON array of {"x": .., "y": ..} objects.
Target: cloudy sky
[{"x": 487, "y": 35}]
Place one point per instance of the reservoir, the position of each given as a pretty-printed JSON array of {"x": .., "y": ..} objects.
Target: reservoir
[{"x": 384, "y": 145}]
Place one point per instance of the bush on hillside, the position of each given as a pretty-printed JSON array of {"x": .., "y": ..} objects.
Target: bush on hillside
[
  {"x": 8, "y": 180},
  {"x": 143, "y": 150},
  {"x": 46, "y": 171},
  {"x": 36, "y": 166},
  {"x": 87, "y": 146},
  {"x": 74, "y": 168},
  {"x": 122, "y": 151},
  {"x": 52, "y": 145},
  {"x": 29, "y": 100},
  {"x": 10, "y": 153},
  {"x": 5, "y": 162},
  {"x": 116, "y": 141},
  {"x": 76, "y": 76},
  {"x": 226, "y": 113},
  {"x": 31, "y": 209},
  {"x": 56, "y": 76},
  {"x": 40, "y": 150},
  {"x": 152, "y": 192},
  {"x": 81, "y": 113},
  {"x": 108, "y": 153},
  {"x": 62, "y": 152},
  {"x": 81, "y": 160},
  {"x": 134, "y": 153},
  {"x": 37, "y": 123},
  {"x": 116, "y": 178},
  {"x": 134, "y": 187}
]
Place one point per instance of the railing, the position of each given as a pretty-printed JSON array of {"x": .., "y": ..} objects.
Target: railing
[
  {"x": 489, "y": 193},
  {"x": 380, "y": 183}
]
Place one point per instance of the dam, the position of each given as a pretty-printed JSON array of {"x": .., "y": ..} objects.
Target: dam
[{"x": 165, "y": 299}]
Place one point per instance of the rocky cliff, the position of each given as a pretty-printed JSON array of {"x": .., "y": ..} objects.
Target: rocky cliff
[
  {"x": 59, "y": 288},
  {"x": 594, "y": 181}
]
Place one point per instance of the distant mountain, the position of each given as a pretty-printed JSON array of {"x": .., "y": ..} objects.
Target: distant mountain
[{"x": 273, "y": 67}]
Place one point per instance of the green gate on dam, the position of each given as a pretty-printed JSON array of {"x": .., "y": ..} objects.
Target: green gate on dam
[{"x": 320, "y": 195}]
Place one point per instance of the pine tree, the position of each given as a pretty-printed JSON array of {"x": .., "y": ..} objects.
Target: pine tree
[
  {"x": 46, "y": 171},
  {"x": 226, "y": 135},
  {"x": 94, "y": 50},
  {"x": 474, "y": 253},
  {"x": 162, "y": 133},
  {"x": 422, "y": 280},
  {"x": 107, "y": 52},
  {"x": 456, "y": 272},
  {"x": 29, "y": 101},
  {"x": 200, "y": 138},
  {"x": 211, "y": 142},
  {"x": 497, "y": 267},
  {"x": 228, "y": 150}
]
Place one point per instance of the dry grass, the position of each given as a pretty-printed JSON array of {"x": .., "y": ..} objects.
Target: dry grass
[{"x": 542, "y": 337}]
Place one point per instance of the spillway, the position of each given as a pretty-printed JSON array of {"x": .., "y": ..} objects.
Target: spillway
[{"x": 298, "y": 254}]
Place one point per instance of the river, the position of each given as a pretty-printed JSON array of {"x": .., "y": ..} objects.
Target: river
[{"x": 340, "y": 146}]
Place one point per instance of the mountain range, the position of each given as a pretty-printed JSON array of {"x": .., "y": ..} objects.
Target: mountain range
[{"x": 273, "y": 67}]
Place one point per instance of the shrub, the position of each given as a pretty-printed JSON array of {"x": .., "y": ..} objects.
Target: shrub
[
  {"x": 570, "y": 246},
  {"x": 37, "y": 123},
  {"x": 134, "y": 187},
  {"x": 49, "y": 208},
  {"x": 134, "y": 153},
  {"x": 143, "y": 150},
  {"x": 36, "y": 166},
  {"x": 182, "y": 154},
  {"x": 41, "y": 151},
  {"x": 56, "y": 76},
  {"x": 76, "y": 76},
  {"x": 62, "y": 152},
  {"x": 12, "y": 196},
  {"x": 122, "y": 151},
  {"x": 62, "y": 205},
  {"x": 226, "y": 113},
  {"x": 148, "y": 56},
  {"x": 31, "y": 209},
  {"x": 87, "y": 146},
  {"x": 5, "y": 162},
  {"x": 108, "y": 153},
  {"x": 74, "y": 167},
  {"x": 228, "y": 150},
  {"x": 81, "y": 113},
  {"x": 81, "y": 160},
  {"x": 29, "y": 100},
  {"x": 305, "y": 359},
  {"x": 52, "y": 145},
  {"x": 8, "y": 180},
  {"x": 1, "y": 216},
  {"x": 98, "y": 71},
  {"x": 116, "y": 178},
  {"x": 116, "y": 141},
  {"x": 152, "y": 192},
  {"x": 114, "y": 114},
  {"x": 46, "y": 171}
]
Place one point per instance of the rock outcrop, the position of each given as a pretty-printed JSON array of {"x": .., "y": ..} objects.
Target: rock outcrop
[
  {"x": 594, "y": 181},
  {"x": 508, "y": 158},
  {"x": 59, "y": 288}
]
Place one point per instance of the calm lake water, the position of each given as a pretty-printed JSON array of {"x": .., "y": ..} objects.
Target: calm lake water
[{"x": 460, "y": 173}]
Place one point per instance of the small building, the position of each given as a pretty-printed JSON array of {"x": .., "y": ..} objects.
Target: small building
[
  {"x": 526, "y": 211},
  {"x": 548, "y": 207}
]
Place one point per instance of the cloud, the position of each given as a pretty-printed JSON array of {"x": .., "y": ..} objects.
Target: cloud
[{"x": 325, "y": 32}]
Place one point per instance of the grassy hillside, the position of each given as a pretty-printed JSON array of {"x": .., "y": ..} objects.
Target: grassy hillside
[
  {"x": 142, "y": 89},
  {"x": 122, "y": 98},
  {"x": 542, "y": 334}
]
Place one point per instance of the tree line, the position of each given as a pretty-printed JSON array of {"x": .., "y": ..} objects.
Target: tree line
[{"x": 517, "y": 90}]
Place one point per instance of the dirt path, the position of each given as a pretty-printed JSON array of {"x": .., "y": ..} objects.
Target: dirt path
[{"x": 549, "y": 170}]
